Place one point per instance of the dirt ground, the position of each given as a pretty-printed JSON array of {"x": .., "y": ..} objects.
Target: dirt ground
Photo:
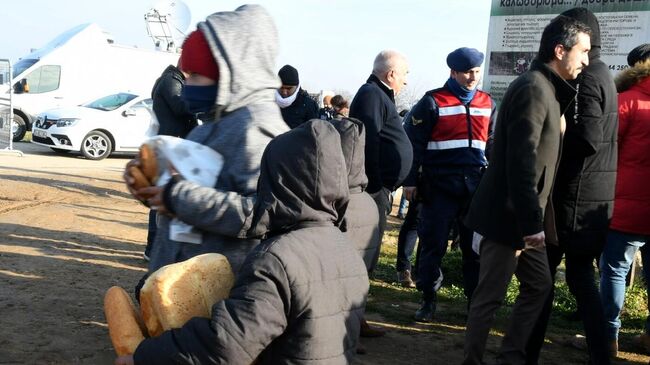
[{"x": 69, "y": 230}]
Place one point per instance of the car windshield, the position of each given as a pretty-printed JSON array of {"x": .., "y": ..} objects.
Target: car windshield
[
  {"x": 22, "y": 65},
  {"x": 110, "y": 102}
]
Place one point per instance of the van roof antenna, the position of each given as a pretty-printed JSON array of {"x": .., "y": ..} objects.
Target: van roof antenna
[{"x": 166, "y": 22}]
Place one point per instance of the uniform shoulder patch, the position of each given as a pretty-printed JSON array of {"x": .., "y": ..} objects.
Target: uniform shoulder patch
[{"x": 415, "y": 121}]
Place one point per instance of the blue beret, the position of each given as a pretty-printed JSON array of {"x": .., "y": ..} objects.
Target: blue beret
[{"x": 464, "y": 59}]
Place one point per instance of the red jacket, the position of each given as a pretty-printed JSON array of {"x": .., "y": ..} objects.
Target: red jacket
[{"x": 632, "y": 203}]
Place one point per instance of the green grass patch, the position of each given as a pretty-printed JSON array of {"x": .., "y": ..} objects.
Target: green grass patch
[{"x": 398, "y": 304}]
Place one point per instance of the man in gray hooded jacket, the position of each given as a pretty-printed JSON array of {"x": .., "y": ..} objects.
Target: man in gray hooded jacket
[
  {"x": 299, "y": 296},
  {"x": 233, "y": 94}
]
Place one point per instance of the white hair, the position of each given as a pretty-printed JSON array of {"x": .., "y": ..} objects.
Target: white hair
[{"x": 387, "y": 60}]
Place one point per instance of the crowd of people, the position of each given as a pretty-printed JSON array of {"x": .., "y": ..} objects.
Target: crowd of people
[{"x": 300, "y": 205}]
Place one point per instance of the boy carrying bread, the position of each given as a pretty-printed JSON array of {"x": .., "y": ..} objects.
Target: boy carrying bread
[{"x": 300, "y": 294}]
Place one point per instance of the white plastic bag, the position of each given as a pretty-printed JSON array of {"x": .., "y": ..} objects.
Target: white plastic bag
[{"x": 196, "y": 163}]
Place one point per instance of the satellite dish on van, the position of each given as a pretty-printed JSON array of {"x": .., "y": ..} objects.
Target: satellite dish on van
[{"x": 167, "y": 22}]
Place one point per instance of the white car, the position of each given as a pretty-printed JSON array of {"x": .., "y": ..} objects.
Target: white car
[{"x": 114, "y": 123}]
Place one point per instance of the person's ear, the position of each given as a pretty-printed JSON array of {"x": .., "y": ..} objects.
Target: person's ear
[{"x": 559, "y": 51}]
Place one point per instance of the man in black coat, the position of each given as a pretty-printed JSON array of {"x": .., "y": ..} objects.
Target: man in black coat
[
  {"x": 583, "y": 196},
  {"x": 174, "y": 119},
  {"x": 295, "y": 103},
  {"x": 388, "y": 150},
  {"x": 511, "y": 208}
]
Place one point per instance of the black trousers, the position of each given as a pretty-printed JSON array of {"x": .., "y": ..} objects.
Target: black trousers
[{"x": 580, "y": 277}]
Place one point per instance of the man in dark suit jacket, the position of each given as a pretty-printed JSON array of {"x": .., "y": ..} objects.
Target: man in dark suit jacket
[
  {"x": 510, "y": 205},
  {"x": 583, "y": 197}
]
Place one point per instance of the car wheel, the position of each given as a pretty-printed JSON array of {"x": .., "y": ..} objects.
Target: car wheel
[
  {"x": 18, "y": 128},
  {"x": 59, "y": 150},
  {"x": 96, "y": 145}
]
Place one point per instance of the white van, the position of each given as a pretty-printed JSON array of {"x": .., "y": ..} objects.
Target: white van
[{"x": 80, "y": 65}]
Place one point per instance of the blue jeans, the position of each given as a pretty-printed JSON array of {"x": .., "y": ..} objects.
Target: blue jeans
[
  {"x": 403, "y": 205},
  {"x": 615, "y": 263}
]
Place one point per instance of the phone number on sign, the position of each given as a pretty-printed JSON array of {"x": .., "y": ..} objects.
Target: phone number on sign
[{"x": 618, "y": 67}]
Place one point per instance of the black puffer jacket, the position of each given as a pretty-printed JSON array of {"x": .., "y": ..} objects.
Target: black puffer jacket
[
  {"x": 300, "y": 294},
  {"x": 361, "y": 221},
  {"x": 585, "y": 183},
  {"x": 301, "y": 110},
  {"x": 171, "y": 111}
]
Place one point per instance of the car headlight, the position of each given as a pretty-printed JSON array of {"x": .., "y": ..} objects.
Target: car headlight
[{"x": 66, "y": 122}]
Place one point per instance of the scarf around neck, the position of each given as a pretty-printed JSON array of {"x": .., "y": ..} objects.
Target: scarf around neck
[
  {"x": 285, "y": 102},
  {"x": 462, "y": 93}
]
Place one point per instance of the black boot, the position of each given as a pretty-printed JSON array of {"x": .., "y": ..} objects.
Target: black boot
[{"x": 428, "y": 308}]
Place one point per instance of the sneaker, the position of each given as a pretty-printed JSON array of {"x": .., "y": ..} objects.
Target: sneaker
[
  {"x": 578, "y": 341},
  {"x": 404, "y": 279},
  {"x": 370, "y": 331},
  {"x": 426, "y": 312}
]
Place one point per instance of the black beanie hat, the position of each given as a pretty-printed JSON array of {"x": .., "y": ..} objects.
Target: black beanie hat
[
  {"x": 585, "y": 16},
  {"x": 639, "y": 54},
  {"x": 289, "y": 75}
]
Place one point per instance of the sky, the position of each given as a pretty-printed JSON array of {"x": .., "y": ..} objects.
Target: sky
[{"x": 331, "y": 43}]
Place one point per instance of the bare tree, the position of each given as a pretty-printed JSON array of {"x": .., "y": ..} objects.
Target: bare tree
[{"x": 407, "y": 98}]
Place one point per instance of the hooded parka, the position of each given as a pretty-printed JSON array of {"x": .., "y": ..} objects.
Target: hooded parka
[
  {"x": 361, "y": 221},
  {"x": 244, "y": 120},
  {"x": 300, "y": 294}
]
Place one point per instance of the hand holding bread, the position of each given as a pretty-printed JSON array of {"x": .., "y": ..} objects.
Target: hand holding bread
[
  {"x": 178, "y": 292},
  {"x": 149, "y": 164},
  {"x": 142, "y": 172},
  {"x": 169, "y": 298}
]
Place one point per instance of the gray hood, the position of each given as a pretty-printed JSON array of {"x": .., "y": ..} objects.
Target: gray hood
[
  {"x": 303, "y": 181},
  {"x": 353, "y": 143},
  {"x": 244, "y": 44}
]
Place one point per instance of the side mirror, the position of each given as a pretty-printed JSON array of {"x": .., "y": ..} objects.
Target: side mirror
[{"x": 129, "y": 113}]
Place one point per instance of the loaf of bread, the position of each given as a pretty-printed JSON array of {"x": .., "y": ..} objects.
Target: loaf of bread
[
  {"x": 178, "y": 292},
  {"x": 125, "y": 325},
  {"x": 149, "y": 163},
  {"x": 140, "y": 181}
]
